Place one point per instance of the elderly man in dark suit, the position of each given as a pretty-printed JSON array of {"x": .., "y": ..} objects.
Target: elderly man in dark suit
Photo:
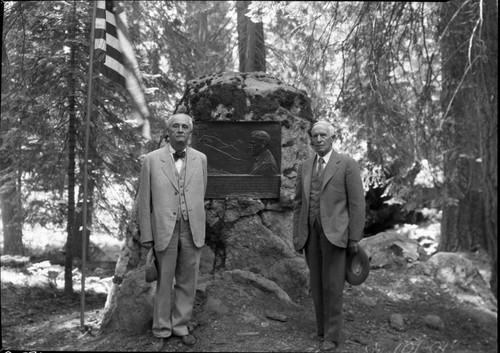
[
  {"x": 172, "y": 221},
  {"x": 328, "y": 222}
]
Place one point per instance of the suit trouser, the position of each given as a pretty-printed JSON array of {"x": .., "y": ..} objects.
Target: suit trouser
[
  {"x": 326, "y": 264},
  {"x": 180, "y": 260}
]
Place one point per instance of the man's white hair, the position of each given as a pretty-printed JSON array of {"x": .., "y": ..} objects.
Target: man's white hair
[
  {"x": 190, "y": 121},
  {"x": 329, "y": 126}
]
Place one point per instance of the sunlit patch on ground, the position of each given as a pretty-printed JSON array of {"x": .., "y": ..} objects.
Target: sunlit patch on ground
[
  {"x": 46, "y": 241},
  {"x": 426, "y": 235},
  {"x": 44, "y": 274}
]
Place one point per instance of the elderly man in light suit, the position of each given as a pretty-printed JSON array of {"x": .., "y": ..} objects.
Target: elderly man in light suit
[
  {"x": 328, "y": 222},
  {"x": 172, "y": 220}
]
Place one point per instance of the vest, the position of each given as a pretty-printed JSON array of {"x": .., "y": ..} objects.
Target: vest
[
  {"x": 181, "y": 180},
  {"x": 314, "y": 196}
]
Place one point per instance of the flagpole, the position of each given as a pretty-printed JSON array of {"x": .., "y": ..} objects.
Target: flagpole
[{"x": 85, "y": 167}]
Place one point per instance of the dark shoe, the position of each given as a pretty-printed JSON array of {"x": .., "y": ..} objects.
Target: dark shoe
[
  {"x": 159, "y": 344},
  {"x": 317, "y": 337},
  {"x": 328, "y": 346},
  {"x": 188, "y": 340}
]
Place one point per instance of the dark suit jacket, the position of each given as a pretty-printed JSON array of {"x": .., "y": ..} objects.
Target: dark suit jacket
[
  {"x": 158, "y": 197},
  {"x": 342, "y": 201}
]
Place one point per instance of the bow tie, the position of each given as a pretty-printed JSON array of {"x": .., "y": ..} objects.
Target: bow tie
[{"x": 178, "y": 155}]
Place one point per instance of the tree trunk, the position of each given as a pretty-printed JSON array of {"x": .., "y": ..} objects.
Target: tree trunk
[
  {"x": 10, "y": 199},
  {"x": 12, "y": 217},
  {"x": 463, "y": 224},
  {"x": 10, "y": 188},
  {"x": 469, "y": 57},
  {"x": 487, "y": 113},
  {"x": 251, "y": 45},
  {"x": 68, "y": 261},
  {"x": 77, "y": 239},
  {"x": 201, "y": 38}
]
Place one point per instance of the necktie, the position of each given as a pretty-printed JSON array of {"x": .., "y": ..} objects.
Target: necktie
[
  {"x": 321, "y": 161},
  {"x": 178, "y": 155}
]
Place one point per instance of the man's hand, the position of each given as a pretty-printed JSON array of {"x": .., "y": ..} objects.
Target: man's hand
[
  {"x": 147, "y": 245},
  {"x": 352, "y": 247}
]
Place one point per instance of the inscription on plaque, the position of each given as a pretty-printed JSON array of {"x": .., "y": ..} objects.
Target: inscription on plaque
[
  {"x": 249, "y": 186},
  {"x": 244, "y": 158}
]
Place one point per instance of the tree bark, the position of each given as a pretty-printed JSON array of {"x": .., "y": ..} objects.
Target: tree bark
[
  {"x": 10, "y": 189},
  {"x": 463, "y": 225},
  {"x": 68, "y": 260},
  {"x": 78, "y": 238},
  {"x": 487, "y": 113},
  {"x": 251, "y": 45},
  {"x": 10, "y": 200},
  {"x": 469, "y": 66}
]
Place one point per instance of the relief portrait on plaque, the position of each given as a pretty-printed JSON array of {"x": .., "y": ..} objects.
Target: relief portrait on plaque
[
  {"x": 243, "y": 157},
  {"x": 264, "y": 162}
]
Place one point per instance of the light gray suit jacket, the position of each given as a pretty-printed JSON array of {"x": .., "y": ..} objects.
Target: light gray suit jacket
[
  {"x": 342, "y": 201},
  {"x": 158, "y": 197}
]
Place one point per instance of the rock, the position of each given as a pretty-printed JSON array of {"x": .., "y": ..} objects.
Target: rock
[
  {"x": 279, "y": 223},
  {"x": 291, "y": 274},
  {"x": 45, "y": 268},
  {"x": 349, "y": 315},
  {"x": 129, "y": 306},
  {"x": 249, "y": 318},
  {"x": 251, "y": 246},
  {"x": 274, "y": 315},
  {"x": 368, "y": 301},
  {"x": 215, "y": 305},
  {"x": 396, "y": 321},
  {"x": 259, "y": 282},
  {"x": 252, "y": 95},
  {"x": 434, "y": 322},
  {"x": 201, "y": 287},
  {"x": 391, "y": 248},
  {"x": 456, "y": 272}
]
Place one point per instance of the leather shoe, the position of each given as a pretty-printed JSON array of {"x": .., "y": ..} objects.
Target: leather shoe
[
  {"x": 159, "y": 345},
  {"x": 188, "y": 340},
  {"x": 315, "y": 337},
  {"x": 328, "y": 346}
]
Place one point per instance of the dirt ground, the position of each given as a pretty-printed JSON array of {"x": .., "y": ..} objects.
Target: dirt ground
[{"x": 39, "y": 317}]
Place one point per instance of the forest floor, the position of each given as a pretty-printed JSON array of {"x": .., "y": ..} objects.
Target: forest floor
[{"x": 231, "y": 317}]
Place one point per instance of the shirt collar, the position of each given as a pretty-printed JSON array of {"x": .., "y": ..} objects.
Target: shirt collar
[
  {"x": 326, "y": 157},
  {"x": 172, "y": 151}
]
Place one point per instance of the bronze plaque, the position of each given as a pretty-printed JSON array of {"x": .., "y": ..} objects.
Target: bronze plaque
[{"x": 244, "y": 158}]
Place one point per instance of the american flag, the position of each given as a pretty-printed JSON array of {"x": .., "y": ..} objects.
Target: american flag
[{"x": 114, "y": 50}]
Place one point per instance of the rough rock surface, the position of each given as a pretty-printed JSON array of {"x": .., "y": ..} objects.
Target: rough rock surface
[
  {"x": 245, "y": 96},
  {"x": 391, "y": 248},
  {"x": 462, "y": 278},
  {"x": 133, "y": 304}
]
